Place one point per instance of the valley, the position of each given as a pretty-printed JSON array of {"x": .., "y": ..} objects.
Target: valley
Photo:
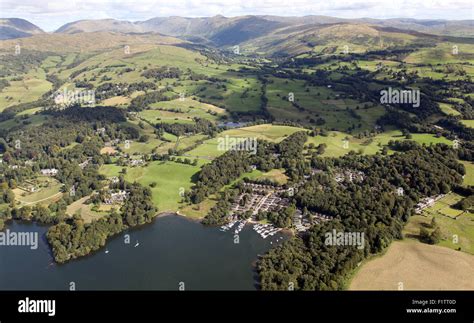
[{"x": 104, "y": 125}]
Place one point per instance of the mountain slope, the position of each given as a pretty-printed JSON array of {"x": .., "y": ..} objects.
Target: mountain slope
[
  {"x": 110, "y": 25},
  {"x": 84, "y": 42},
  {"x": 218, "y": 30},
  {"x": 11, "y": 28},
  {"x": 339, "y": 38},
  {"x": 274, "y": 33},
  {"x": 460, "y": 28}
]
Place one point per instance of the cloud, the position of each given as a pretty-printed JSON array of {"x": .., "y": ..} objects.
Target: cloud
[{"x": 51, "y": 14}]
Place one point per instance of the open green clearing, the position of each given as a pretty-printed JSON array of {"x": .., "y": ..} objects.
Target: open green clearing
[
  {"x": 469, "y": 177},
  {"x": 30, "y": 88},
  {"x": 336, "y": 147},
  {"x": 46, "y": 190},
  {"x": 210, "y": 148},
  {"x": 32, "y": 120},
  {"x": 457, "y": 234},
  {"x": 448, "y": 109},
  {"x": 85, "y": 210},
  {"x": 172, "y": 179},
  {"x": 468, "y": 123},
  {"x": 334, "y": 140},
  {"x": 181, "y": 111},
  {"x": 444, "y": 207}
]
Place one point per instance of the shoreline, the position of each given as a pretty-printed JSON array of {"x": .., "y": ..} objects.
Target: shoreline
[{"x": 177, "y": 213}]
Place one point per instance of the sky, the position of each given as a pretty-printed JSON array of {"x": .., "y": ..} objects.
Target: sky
[{"x": 51, "y": 14}]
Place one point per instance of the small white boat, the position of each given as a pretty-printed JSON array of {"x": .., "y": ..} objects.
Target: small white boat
[
  {"x": 137, "y": 244},
  {"x": 106, "y": 251}
]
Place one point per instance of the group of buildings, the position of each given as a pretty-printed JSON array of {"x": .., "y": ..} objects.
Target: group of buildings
[
  {"x": 114, "y": 198},
  {"x": 348, "y": 175},
  {"x": 427, "y": 202},
  {"x": 268, "y": 198},
  {"x": 263, "y": 198}
]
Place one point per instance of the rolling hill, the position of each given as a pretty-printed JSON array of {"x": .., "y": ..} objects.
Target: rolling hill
[
  {"x": 460, "y": 28},
  {"x": 11, "y": 28},
  {"x": 328, "y": 38},
  {"x": 333, "y": 38},
  {"x": 84, "y": 42},
  {"x": 110, "y": 25}
]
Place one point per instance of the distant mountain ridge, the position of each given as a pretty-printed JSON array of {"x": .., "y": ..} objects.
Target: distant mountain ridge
[
  {"x": 218, "y": 30},
  {"x": 11, "y": 28},
  {"x": 258, "y": 31},
  {"x": 110, "y": 25},
  {"x": 232, "y": 30}
]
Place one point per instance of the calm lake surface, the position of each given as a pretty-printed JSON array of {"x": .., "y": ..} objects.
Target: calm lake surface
[{"x": 171, "y": 250}]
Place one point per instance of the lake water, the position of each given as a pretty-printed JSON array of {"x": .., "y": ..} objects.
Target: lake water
[{"x": 172, "y": 250}]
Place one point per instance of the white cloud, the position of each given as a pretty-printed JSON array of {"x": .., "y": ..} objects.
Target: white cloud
[{"x": 51, "y": 14}]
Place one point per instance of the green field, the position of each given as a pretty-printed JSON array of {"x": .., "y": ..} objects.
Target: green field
[
  {"x": 136, "y": 147},
  {"x": 274, "y": 133},
  {"x": 463, "y": 227},
  {"x": 85, "y": 210},
  {"x": 29, "y": 111},
  {"x": 157, "y": 116},
  {"x": 198, "y": 211},
  {"x": 468, "y": 123},
  {"x": 48, "y": 189},
  {"x": 334, "y": 140},
  {"x": 442, "y": 53},
  {"x": 239, "y": 94},
  {"x": 276, "y": 175},
  {"x": 448, "y": 109},
  {"x": 111, "y": 170},
  {"x": 469, "y": 177},
  {"x": 456, "y": 233},
  {"x": 171, "y": 178},
  {"x": 336, "y": 148},
  {"x": 33, "y": 120},
  {"x": 30, "y": 88},
  {"x": 443, "y": 207},
  {"x": 160, "y": 146},
  {"x": 188, "y": 110}
]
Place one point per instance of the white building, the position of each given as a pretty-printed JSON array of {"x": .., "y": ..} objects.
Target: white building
[{"x": 49, "y": 172}]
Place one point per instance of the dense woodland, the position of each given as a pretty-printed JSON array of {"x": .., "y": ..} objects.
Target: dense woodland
[
  {"x": 371, "y": 207},
  {"x": 72, "y": 238}
]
